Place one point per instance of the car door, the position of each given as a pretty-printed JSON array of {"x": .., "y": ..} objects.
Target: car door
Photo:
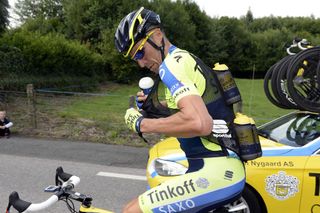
[
  {"x": 310, "y": 201},
  {"x": 278, "y": 180}
]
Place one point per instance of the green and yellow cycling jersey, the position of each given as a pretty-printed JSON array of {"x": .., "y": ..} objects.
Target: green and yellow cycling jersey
[
  {"x": 182, "y": 76},
  {"x": 178, "y": 73}
]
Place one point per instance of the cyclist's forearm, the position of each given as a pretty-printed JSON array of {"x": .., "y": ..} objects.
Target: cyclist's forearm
[{"x": 192, "y": 120}]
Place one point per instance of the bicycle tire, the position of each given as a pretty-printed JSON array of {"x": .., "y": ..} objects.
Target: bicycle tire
[
  {"x": 278, "y": 92},
  {"x": 268, "y": 91},
  {"x": 303, "y": 79},
  {"x": 280, "y": 83}
]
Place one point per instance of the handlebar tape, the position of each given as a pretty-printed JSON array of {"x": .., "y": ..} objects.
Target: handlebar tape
[{"x": 17, "y": 203}]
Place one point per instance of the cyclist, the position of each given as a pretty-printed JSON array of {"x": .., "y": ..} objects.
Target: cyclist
[{"x": 198, "y": 117}]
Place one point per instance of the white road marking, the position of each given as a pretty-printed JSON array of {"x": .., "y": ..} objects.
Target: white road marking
[{"x": 124, "y": 176}]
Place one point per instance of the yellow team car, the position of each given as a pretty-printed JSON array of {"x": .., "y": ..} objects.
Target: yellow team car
[{"x": 285, "y": 179}]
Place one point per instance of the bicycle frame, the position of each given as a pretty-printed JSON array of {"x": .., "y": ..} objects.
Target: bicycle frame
[{"x": 91, "y": 209}]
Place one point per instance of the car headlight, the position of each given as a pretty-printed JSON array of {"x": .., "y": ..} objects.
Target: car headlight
[{"x": 169, "y": 168}]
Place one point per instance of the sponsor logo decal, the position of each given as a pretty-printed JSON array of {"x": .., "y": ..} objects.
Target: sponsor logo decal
[
  {"x": 282, "y": 186},
  {"x": 175, "y": 86},
  {"x": 172, "y": 192},
  {"x": 177, "y": 207},
  {"x": 263, "y": 164},
  {"x": 317, "y": 183},
  {"x": 181, "y": 91},
  {"x": 162, "y": 73},
  {"x": 202, "y": 183},
  {"x": 220, "y": 129},
  {"x": 228, "y": 175},
  {"x": 176, "y": 191}
]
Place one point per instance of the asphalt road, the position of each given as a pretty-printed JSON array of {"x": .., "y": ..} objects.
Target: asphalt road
[{"x": 28, "y": 166}]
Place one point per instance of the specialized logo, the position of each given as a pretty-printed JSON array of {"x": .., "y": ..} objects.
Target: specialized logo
[
  {"x": 282, "y": 186},
  {"x": 172, "y": 192},
  {"x": 284, "y": 91},
  {"x": 220, "y": 129}
]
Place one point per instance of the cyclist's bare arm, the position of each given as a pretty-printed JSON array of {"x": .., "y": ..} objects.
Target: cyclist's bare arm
[
  {"x": 132, "y": 206},
  {"x": 192, "y": 120}
]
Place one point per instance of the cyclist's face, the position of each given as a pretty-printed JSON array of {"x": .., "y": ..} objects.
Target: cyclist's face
[{"x": 147, "y": 56}]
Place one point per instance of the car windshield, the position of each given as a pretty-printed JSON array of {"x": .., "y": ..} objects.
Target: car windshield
[{"x": 296, "y": 129}]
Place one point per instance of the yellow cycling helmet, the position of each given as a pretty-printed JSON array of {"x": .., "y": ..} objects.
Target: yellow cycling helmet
[{"x": 133, "y": 28}]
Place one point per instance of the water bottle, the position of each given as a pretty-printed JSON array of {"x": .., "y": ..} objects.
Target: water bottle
[
  {"x": 249, "y": 144},
  {"x": 256, "y": 138},
  {"x": 231, "y": 92},
  {"x": 145, "y": 84}
]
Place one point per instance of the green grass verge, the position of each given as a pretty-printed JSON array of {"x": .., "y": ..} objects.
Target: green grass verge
[
  {"x": 101, "y": 118},
  {"x": 255, "y": 102},
  {"x": 111, "y": 108}
]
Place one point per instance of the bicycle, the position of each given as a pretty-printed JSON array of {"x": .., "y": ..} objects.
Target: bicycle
[
  {"x": 63, "y": 191},
  {"x": 65, "y": 183},
  {"x": 303, "y": 79},
  {"x": 276, "y": 82}
]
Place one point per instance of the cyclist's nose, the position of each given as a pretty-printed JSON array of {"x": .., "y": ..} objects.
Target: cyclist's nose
[{"x": 141, "y": 63}]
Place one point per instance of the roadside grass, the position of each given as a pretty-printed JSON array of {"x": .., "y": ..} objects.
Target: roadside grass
[
  {"x": 108, "y": 111},
  {"x": 255, "y": 102},
  {"x": 101, "y": 118}
]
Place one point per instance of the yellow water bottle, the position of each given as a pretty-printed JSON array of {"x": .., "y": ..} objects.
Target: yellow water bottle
[
  {"x": 247, "y": 137},
  {"x": 231, "y": 92}
]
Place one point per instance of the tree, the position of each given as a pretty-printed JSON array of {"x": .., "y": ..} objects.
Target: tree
[
  {"x": 86, "y": 19},
  {"x": 47, "y": 9},
  {"x": 4, "y": 15},
  {"x": 177, "y": 23}
]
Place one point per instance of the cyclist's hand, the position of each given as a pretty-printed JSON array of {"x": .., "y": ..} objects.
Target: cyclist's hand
[
  {"x": 140, "y": 99},
  {"x": 133, "y": 119}
]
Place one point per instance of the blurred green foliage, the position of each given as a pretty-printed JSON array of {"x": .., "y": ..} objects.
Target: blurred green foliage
[{"x": 75, "y": 38}]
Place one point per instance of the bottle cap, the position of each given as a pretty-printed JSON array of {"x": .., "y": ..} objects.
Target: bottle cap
[
  {"x": 146, "y": 83},
  {"x": 242, "y": 119},
  {"x": 220, "y": 67}
]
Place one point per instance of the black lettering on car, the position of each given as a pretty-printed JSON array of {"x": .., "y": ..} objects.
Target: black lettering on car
[{"x": 317, "y": 185}]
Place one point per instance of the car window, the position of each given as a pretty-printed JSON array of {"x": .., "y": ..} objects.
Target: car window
[{"x": 296, "y": 129}]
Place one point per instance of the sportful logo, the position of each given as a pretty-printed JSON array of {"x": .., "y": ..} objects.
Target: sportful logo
[{"x": 220, "y": 129}]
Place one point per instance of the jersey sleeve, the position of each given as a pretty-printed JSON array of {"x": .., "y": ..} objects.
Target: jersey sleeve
[{"x": 175, "y": 74}]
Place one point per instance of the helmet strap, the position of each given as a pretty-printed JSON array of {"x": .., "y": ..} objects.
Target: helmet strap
[{"x": 161, "y": 48}]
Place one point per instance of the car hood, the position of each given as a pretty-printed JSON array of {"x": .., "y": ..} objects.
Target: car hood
[{"x": 171, "y": 146}]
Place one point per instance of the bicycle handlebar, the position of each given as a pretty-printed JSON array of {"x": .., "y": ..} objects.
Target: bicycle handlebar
[
  {"x": 302, "y": 44},
  {"x": 70, "y": 181}
]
